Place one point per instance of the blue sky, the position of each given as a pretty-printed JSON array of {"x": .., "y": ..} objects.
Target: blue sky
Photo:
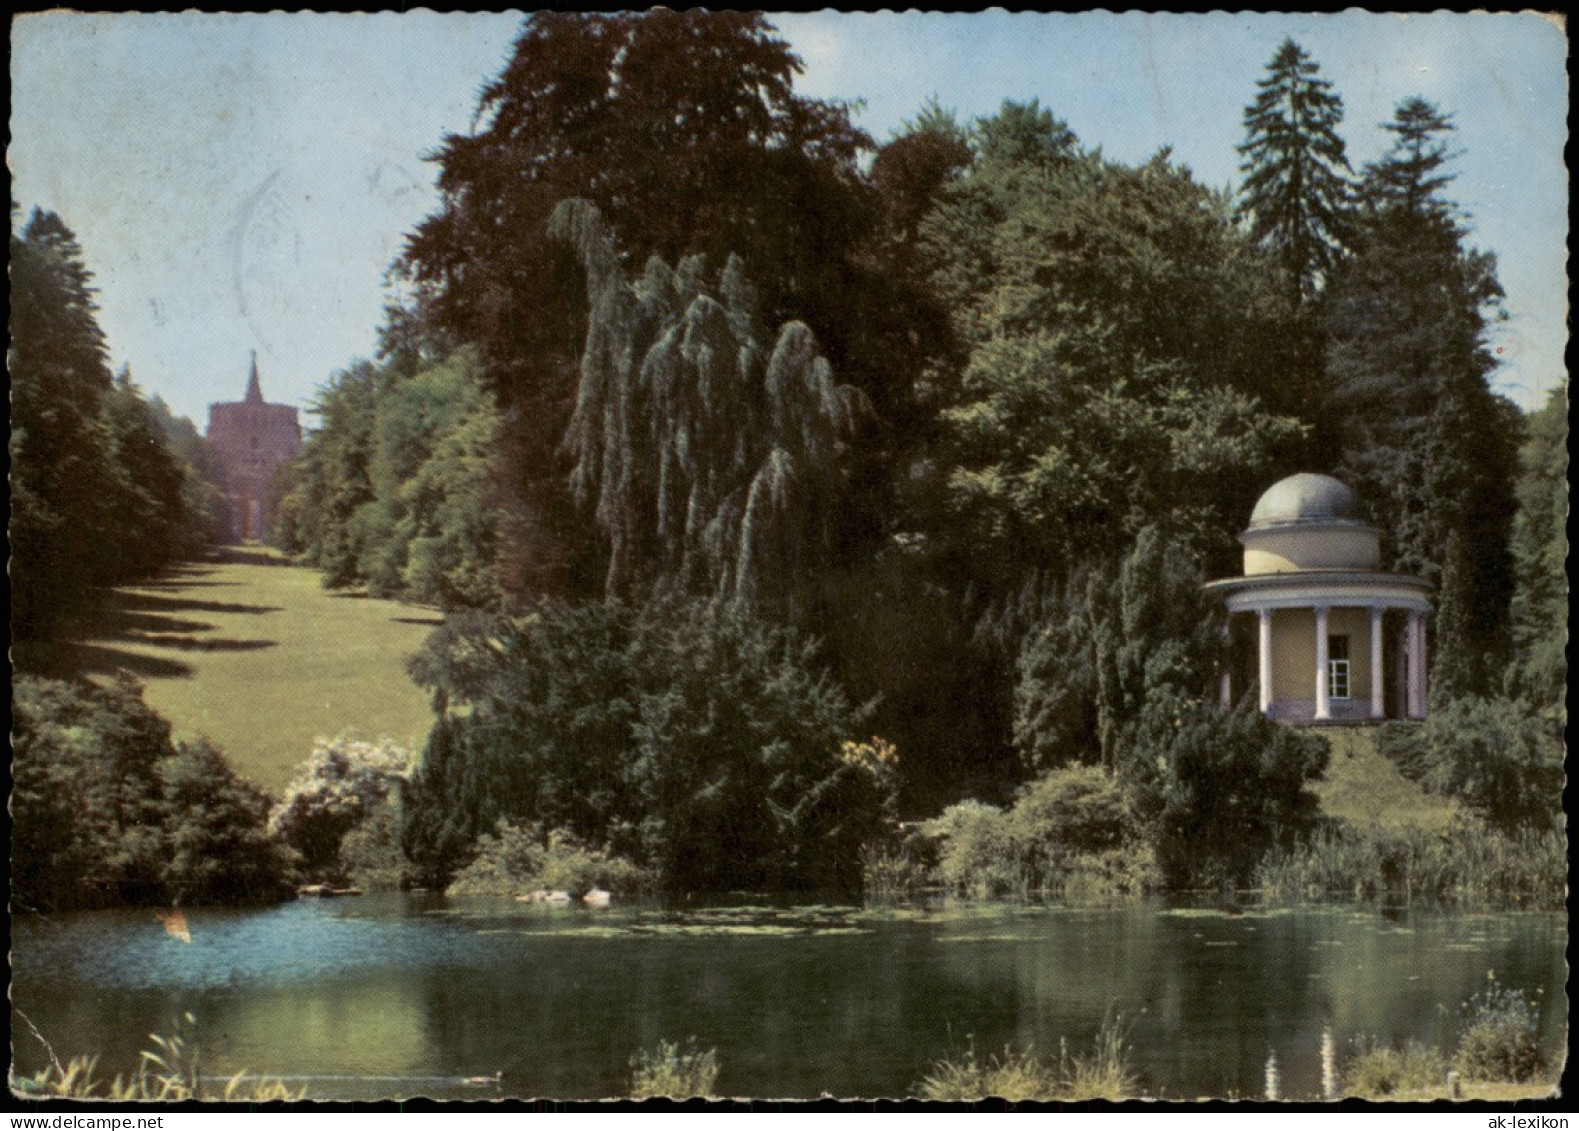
[{"x": 242, "y": 182}]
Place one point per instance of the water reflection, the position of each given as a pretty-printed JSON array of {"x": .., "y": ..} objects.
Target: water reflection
[{"x": 392, "y": 995}]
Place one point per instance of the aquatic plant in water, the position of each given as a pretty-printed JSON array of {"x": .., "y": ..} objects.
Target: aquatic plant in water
[
  {"x": 1382, "y": 1070},
  {"x": 1498, "y": 1044},
  {"x": 1107, "y": 1073},
  {"x": 166, "y": 1073},
  {"x": 669, "y": 1072},
  {"x": 1499, "y": 1040}
]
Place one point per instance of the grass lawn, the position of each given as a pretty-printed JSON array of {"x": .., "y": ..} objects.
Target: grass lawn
[
  {"x": 257, "y": 656},
  {"x": 1363, "y": 787}
]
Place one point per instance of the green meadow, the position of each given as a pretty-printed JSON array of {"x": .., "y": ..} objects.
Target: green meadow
[
  {"x": 1362, "y": 787},
  {"x": 254, "y": 654}
]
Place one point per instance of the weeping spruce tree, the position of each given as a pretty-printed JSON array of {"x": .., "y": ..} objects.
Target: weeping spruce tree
[{"x": 713, "y": 464}]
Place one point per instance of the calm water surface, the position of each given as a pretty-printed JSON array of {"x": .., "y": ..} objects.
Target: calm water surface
[{"x": 398, "y": 995}]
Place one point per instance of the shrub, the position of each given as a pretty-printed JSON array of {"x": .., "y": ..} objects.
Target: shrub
[
  {"x": 1381, "y": 1070},
  {"x": 344, "y": 782},
  {"x": 518, "y": 857},
  {"x": 107, "y": 809},
  {"x": 370, "y": 855},
  {"x": 699, "y": 744},
  {"x": 1081, "y": 809},
  {"x": 977, "y": 857},
  {"x": 1013, "y": 1076},
  {"x": 1497, "y": 756},
  {"x": 1107, "y": 1073},
  {"x": 902, "y": 866},
  {"x": 1498, "y": 1041},
  {"x": 214, "y": 830},
  {"x": 1072, "y": 831},
  {"x": 1218, "y": 788},
  {"x": 669, "y": 1072}
]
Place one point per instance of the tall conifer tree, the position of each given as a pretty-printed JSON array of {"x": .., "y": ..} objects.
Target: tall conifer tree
[
  {"x": 1424, "y": 437},
  {"x": 1296, "y": 189},
  {"x": 60, "y": 377}
]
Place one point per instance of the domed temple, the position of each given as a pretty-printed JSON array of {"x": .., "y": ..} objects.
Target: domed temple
[{"x": 1326, "y": 617}]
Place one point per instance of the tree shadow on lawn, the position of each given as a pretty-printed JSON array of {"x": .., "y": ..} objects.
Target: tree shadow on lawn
[
  {"x": 433, "y": 621},
  {"x": 156, "y": 603},
  {"x": 124, "y": 624},
  {"x": 184, "y": 583},
  {"x": 60, "y": 660},
  {"x": 195, "y": 643},
  {"x": 236, "y": 555}
]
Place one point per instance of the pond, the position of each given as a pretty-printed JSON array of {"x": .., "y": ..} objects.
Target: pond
[{"x": 402, "y": 995}]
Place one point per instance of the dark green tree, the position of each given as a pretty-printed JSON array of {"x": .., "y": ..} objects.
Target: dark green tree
[
  {"x": 1219, "y": 788},
  {"x": 1083, "y": 404},
  {"x": 684, "y": 129},
  {"x": 202, "y": 478},
  {"x": 96, "y": 494},
  {"x": 61, "y": 482},
  {"x": 1093, "y": 403},
  {"x": 108, "y": 810},
  {"x": 1495, "y": 755},
  {"x": 1024, "y": 135},
  {"x": 396, "y": 489},
  {"x": 330, "y": 478},
  {"x": 1296, "y": 189},
  {"x": 1422, "y": 435},
  {"x": 1413, "y": 174},
  {"x": 694, "y": 742},
  {"x": 150, "y": 497},
  {"x": 1540, "y": 552},
  {"x": 1115, "y": 640}
]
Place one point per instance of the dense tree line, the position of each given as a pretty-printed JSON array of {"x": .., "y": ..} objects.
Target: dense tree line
[
  {"x": 395, "y": 488},
  {"x": 979, "y": 413},
  {"x": 730, "y": 436},
  {"x": 108, "y": 810},
  {"x": 1540, "y": 552},
  {"x": 103, "y": 485}
]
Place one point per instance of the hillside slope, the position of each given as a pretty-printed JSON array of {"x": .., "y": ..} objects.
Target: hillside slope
[{"x": 1364, "y": 788}]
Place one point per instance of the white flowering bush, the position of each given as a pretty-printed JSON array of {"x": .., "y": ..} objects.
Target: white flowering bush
[{"x": 345, "y": 782}]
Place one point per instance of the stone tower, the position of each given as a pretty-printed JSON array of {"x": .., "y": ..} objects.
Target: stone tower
[{"x": 252, "y": 440}]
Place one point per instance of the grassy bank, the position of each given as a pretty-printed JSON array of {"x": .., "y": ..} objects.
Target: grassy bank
[
  {"x": 254, "y": 654},
  {"x": 1362, "y": 788},
  {"x": 1468, "y": 863}
]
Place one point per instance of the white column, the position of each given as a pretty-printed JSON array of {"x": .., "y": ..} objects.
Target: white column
[
  {"x": 1264, "y": 656},
  {"x": 1323, "y": 704},
  {"x": 1422, "y": 668},
  {"x": 1416, "y": 682},
  {"x": 1378, "y": 704},
  {"x": 1225, "y": 682},
  {"x": 1401, "y": 675}
]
